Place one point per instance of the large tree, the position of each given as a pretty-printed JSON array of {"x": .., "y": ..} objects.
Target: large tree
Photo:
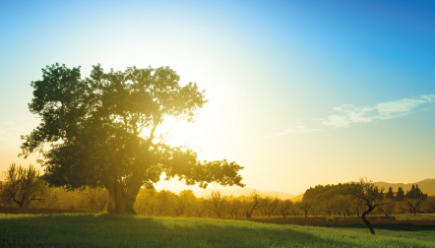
[{"x": 106, "y": 130}]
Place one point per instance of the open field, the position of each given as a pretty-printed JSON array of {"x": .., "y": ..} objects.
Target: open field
[
  {"x": 415, "y": 217},
  {"x": 102, "y": 230}
]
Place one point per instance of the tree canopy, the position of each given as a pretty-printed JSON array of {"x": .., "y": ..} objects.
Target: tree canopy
[{"x": 106, "y": 130}]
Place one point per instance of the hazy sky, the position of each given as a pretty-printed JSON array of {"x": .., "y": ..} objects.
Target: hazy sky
[{"x": 300, "y": 92}]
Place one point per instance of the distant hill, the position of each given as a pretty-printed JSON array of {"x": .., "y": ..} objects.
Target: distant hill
[
  {"x": 427, "y": 186},
  {"x": 298, "y": 198},
  {"x": 245, "y": 192}
]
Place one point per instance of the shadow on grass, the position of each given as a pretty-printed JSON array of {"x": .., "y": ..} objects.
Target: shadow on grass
[{"x": 89, "y": 230}]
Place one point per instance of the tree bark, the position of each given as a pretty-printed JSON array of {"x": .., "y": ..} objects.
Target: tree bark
[
  {"x": 363, "y": 217},
  {"x": 121, "y": 202},
  {"x": 306, "y": 212}
]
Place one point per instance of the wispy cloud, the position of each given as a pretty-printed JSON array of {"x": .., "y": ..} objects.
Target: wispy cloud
[{"x": 347, "y": 114}]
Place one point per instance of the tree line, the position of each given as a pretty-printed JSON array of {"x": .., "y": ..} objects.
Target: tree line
[
  {"x": 340, "y": 200},
  {"x": 24, "y": 187}
]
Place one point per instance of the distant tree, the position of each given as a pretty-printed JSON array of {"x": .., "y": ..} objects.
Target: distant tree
[
  {"x": 187, "y": 199},
  {"x": 415, "y": 193},
  {"x": 150, "y": 201},
  {"x": 328, "y": 205},
  {"x": 400, "y": 194},
  {"x": 164, "y": 199},
  {"x": 358, "y": 206},
  {"x": 390, "y": 193},
  {"x": 98, "y": 199},
  {"x": 414, "y": 199},
  {"x": 370, "y": 195},
  {"x": 217, "y": 203},
  {"x": 200, "y": 207},
  {"x": 269, "y": 205},
  {"x": 305, "y": 205},
  {"x": 284, "y": 207},
  {"x": 343, "y": 204},
  {"x": 107, "y": 130},
  {"x": 145, "y": 200},
  {"x": 388, "y": 207},
  {"x": 430, "y": 204},
  {"x": 252, "y": 204},
  {"x": 234, "y": 206},
  {"x": 2, "y": 201},
  {"x": 22, "y": 186}
]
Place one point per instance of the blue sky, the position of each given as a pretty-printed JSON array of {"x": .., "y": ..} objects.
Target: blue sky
[{"x": 301, "y": 92}]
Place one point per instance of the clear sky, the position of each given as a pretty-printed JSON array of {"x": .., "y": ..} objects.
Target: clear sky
[{"x": 300, "y": 92}]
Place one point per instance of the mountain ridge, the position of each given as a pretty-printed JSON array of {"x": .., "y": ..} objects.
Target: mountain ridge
[{"x": 426, "y": 186}]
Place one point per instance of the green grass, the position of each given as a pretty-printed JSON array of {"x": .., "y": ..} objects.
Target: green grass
[
  {"x": 102, "y": 230},
  {"x": 415, "y": 217}
]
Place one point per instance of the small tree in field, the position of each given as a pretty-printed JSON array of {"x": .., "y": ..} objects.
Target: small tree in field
[
  {"x": 371, "y": 197},
  {"x": 388, "y": 207},
  {"x": 97, "y": 199},
  {"x": 217, "y": 203},
  {"x": 305, "y": 205},
  {"x": 284, "y": 207},
  {"x": 414, "y": 199},
  {"x": 430, "y": 204},
  {"x": 234, "y": 206},
  {"x": 269, "y": 205},
  {"x": 22, "y": 186},
  {"x": 253, "y": 204}
]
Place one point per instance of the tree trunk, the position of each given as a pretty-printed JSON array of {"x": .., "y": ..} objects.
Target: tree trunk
[
  {"x": 306, "y": 212},
  {"x": 248, "y": 214},
  {"x": 121, "y": 202},
  {"x": 363, "y": 217}
]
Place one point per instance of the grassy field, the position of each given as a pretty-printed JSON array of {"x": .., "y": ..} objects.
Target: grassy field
[
  {"x": 102, "y": 230},
  {"x": 415, "y": 217}
]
